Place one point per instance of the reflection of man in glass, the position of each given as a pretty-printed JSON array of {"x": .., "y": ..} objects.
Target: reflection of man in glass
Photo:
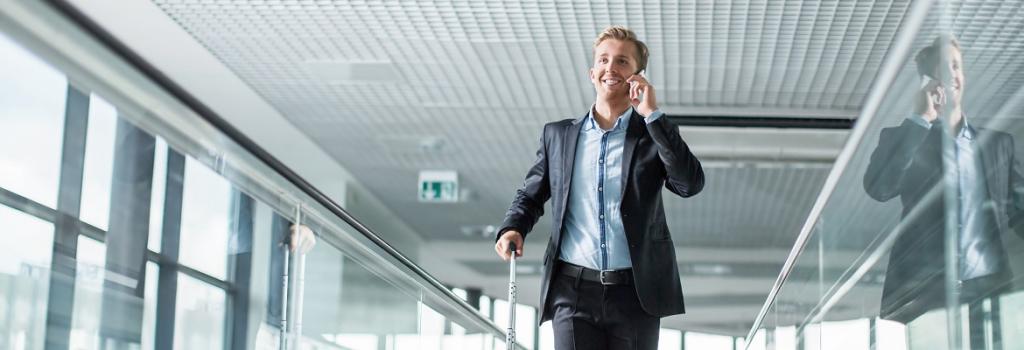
[{"x": 984, "y": 179}]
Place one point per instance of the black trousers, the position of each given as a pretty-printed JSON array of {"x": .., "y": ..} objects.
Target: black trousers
[{"x": 590, "y": 316}]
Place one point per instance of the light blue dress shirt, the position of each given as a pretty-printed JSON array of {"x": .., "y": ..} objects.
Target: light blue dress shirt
[
  {"x": 593, "y": 236},
  {"x": 971, "y": 195}
]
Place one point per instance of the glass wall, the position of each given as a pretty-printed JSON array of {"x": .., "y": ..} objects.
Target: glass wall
[
  {"x": 77, "y": 179},
  {"x": 129, "y": 226},
  {"x": 916, "y": 242}
]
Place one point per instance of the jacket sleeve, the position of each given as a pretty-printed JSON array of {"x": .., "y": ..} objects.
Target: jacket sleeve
[
  {"x": 685, "y": 176},
  {"x": 528, "y": 204},
  {"x": 1015, "y": 204},
  {"x": 891, "y": 159}
]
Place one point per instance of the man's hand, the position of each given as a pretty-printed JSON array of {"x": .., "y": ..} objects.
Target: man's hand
[
  {"x": 929, "y": 100},
  {"x": 301, "y": 239},
  {"x": 638, "y": 85},
  {"x": 510, "y": 236}
]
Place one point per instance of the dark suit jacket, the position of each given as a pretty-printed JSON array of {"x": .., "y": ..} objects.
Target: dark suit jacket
[
  {"x": 908, "y": 163},
  {"x": 654, "y": 155}
]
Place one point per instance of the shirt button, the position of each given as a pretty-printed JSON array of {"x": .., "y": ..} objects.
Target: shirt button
[
  {"x": 600, "y": 188},
  {"x": 602, "y": 245},
  {"x": 600, "y": 161},
  {"x": 600, "y": 216}
]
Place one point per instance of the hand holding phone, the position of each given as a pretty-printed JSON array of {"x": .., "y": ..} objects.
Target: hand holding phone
[
  {"x": 641, "y": 95},
  {"x": 930, "y": 99}
]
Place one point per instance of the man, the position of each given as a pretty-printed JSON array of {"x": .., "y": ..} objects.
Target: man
[
  {"x": 987, "y": 181},
  {"x": 610, "y": 267}
]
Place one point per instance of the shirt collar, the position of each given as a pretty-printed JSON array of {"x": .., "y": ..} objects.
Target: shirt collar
[
  {"x": 966, "y": 131},
  {"x": 590, "y": 124}
]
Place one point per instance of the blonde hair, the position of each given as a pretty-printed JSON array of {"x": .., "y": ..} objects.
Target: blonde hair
[
  {"x": 929, "y": 57},
  {"x": 624, "y": 34}
]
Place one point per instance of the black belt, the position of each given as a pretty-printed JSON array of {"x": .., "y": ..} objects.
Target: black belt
[{"x": 616, "y": 277}]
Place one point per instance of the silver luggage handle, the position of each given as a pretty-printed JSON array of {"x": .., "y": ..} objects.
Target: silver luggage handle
[{"x": 510, "y": 335}]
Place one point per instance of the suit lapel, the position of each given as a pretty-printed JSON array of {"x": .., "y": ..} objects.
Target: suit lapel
[
  {"x": 988, "y": 159},
  {"x": 633, "y": 133},
  {"x": 571, "y": 137}
]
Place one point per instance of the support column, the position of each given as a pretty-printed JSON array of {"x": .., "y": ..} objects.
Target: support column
[
  {"x": 170, "y": 241},
  {"x": 61, "y": 296},
  {"x": 124, "y": 285},
  {"x": 240, "y": 269}
]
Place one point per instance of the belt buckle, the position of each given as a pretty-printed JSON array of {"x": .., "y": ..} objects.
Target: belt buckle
[{"x": 603, "y": 276}]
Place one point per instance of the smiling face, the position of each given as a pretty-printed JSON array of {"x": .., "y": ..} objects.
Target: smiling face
[
  {"x": 951, "y": 70},
  {"x": 614, "y": 62},
  {"x": 942, "y": 62}
]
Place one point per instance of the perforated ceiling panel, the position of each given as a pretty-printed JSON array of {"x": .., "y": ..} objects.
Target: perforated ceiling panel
[{"x": 390, "y": 88}]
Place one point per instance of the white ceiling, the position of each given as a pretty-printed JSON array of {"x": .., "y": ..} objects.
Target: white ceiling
[{"x": 389, "y": 88}]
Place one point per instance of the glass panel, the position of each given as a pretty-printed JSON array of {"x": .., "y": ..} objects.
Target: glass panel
[
  {"x": 785, "y": 338},
  {"x": 1012, "y": 327},
  {"x": 381, "y": 295},
  {"x": 461, "y": 293},
  {"x": 922, "y": 231},
  {"x": 695, "y": 340},
  {"x": 669, "y": 339},
  {"x": 486, "y": 303},
  {"x": 89, "y": 271},
  {"x": 431, "y": 328},
  {"x": 363, "y": 305},
  {"x": 500, "y": 312},
  {"x": 759, "y": 342},
  {"x": 526, "y": 321},
  {"x": 891, "y": 335},
  {"x": 199, "y": 315},
  {"x": 846, "y": 335},
  {"x": 32, "y": 98},
  {"x": 156, "y": 207},
  {"x": 149, "y": 306},
  {"x": 24, "y": 279},
  {"x": 547, "y": 338},
  {"x": 99, "y": 162},
  {"x": 811, "y": 337},
  {"x": 205, "y": 220}
]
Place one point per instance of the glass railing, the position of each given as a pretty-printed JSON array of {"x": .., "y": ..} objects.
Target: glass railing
[
  {"x": 133, "y": 217},
  {"x": 915, "y": 241}
]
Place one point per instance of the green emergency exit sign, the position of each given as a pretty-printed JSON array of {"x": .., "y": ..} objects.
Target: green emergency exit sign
[{"x": 439, "y": 186}]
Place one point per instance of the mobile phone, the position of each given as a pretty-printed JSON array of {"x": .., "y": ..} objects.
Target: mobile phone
[{"x": 925, "y": 80}]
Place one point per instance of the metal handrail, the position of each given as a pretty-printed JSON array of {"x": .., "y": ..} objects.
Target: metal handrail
[{"x": 202, "y": 110}]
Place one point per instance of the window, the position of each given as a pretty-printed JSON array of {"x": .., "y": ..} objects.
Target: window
[
  {"x": 695, "y": 340},
  {"x": 24, "y": 279},
  {"x": 32, "y": 98},
  {"x": 85, "y": 324},
  {"x": 670, "y": 339},
  {"x": 99, "y": 163},
  {"x": 156, "y": 206},
  {"x": 205, "y": 220},
  {"x": 199, "y": 318}
]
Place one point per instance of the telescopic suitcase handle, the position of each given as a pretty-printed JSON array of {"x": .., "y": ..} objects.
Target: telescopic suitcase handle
[{"x": 510, "y": 335}]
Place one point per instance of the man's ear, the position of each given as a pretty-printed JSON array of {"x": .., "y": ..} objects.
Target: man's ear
[{"x": 590, "y": 73}]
